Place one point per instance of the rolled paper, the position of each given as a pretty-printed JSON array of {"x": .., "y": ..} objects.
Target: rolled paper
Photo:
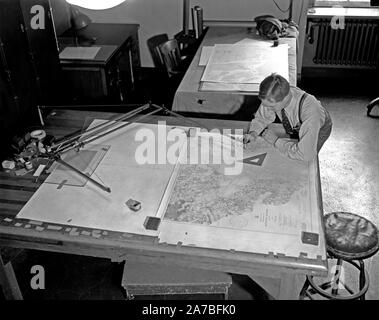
[
  {"x": 185, "y": 16},
  {"x": 199, "y": 19}
]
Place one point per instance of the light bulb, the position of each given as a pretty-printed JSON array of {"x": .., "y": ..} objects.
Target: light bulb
[{"x": 95, "y": 4}]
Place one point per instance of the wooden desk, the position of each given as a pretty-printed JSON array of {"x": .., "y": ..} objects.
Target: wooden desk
[
  {"x": 188, "y": 97},
  {"x": 113, "y": 73},
  {"x": 275, "y": 273}
]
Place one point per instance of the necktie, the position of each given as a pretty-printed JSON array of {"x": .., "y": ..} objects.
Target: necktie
[{"x": 286, "y": 123}]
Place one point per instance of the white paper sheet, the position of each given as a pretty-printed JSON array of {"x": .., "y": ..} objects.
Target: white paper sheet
[
  {"x": 206, "y": 52},
  {"x": 119, "y": 169},
  {"x": 81, "y": 53},
  {"x": 217, "y": 86},
  {"x": 234, "y": 63}
]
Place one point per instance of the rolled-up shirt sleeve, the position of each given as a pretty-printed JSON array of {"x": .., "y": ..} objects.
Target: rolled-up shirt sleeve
[
  {"x": 263, "y": 117},
  {"x": 313, "y": 118}
]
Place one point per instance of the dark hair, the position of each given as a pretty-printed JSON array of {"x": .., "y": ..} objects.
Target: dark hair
[{"x": 274, "y": 87}]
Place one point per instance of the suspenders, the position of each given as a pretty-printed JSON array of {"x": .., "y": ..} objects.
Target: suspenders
[
  {"x": 324, "y": 130},
  {"x": 301, "y": 105},
  {"x": 295, "y": 130}
]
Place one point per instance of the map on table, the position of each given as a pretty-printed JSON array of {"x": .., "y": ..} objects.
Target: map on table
[
  {"x": 245, "y": 64},
  {"x": 212, "y": 193},
  {"x": 265, "y": 208}
]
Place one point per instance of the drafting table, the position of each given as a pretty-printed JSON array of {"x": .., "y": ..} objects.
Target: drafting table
[
  {"x": 278, "y": 274},
  {"x": 189, "y": 96}
]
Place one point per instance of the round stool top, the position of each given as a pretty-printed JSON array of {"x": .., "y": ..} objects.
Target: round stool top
[{"x": 350, "y": 236}]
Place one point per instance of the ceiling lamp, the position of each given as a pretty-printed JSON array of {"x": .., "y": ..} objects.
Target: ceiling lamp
[{"x": 96, "y": 4}]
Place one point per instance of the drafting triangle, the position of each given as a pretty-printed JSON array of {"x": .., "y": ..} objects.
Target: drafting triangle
[{"x": 255, "y": 160}]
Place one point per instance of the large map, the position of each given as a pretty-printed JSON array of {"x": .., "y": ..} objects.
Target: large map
[
  {"x": 209, "y": 193},
  {"x": 236, "y": 63},
  {"x": 265, "y": 208}
]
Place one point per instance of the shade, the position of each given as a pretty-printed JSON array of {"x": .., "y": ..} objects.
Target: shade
[
  {"x": 96, "y": 4},
  {"x": 78, "y": 19}
]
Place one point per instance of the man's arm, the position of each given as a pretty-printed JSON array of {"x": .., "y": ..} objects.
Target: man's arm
[
  {"x": 306, "y": 148},
  {"x": 263, "y": 117}
]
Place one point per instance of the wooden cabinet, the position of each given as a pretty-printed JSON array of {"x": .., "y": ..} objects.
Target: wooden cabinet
[
  {"x": 29, "y": 66},
  {"x": 112, "y": 74}
]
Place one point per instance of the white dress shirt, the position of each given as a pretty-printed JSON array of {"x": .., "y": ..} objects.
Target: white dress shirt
[{"x": 313, "y": 118}]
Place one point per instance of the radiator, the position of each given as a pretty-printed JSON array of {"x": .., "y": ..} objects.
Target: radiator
[{"x": 354, "y": 46}]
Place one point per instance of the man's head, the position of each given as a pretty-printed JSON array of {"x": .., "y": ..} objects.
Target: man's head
[{"x": 274, "y": 92}]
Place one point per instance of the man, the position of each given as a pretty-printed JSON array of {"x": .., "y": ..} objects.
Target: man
[{"x": 302, "y": 115}]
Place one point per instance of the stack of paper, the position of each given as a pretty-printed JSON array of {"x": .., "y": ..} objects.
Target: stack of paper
[
  {"x": 242, "y": 66},
  {"x": 81, "y": 53}
]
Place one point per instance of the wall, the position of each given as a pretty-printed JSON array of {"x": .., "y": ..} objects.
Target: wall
[
  {"x": 165, "y": 16},
  {"x": 60, "y": 15}
]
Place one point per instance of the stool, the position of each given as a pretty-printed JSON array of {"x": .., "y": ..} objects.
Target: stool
[
  {"x": 371, "y": 105},
  {"x": 154, "y": 280},
  {"x": 349, "y": 238}
]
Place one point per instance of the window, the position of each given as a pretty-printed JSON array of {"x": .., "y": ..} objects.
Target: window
[{"x": 342, "y": 3}]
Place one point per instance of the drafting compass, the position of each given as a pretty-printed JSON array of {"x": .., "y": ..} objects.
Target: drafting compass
[{"x": 77, "y": 141}]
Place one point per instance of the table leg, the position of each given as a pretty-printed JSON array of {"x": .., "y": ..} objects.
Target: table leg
[
  {"x": 287, "y": 287},
  {"x": 8, "y": 281}
]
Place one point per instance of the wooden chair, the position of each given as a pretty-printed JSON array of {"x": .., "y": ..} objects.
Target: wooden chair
[
  {"x": 161, "y": 87},
  {"x": 175, "y": 67},
  {"x": 176, "y": 64},
  {"x": 153, "y": 44}
]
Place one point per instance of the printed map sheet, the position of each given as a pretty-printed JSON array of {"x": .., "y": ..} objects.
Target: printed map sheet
[
  {"x": 263, "y": 209},
  {"x": 245, "y": 63}
]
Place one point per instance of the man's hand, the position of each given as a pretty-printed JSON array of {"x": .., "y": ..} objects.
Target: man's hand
[
  {"x": 269, "y": 136},
  {"x": 251, "y": 136}
]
